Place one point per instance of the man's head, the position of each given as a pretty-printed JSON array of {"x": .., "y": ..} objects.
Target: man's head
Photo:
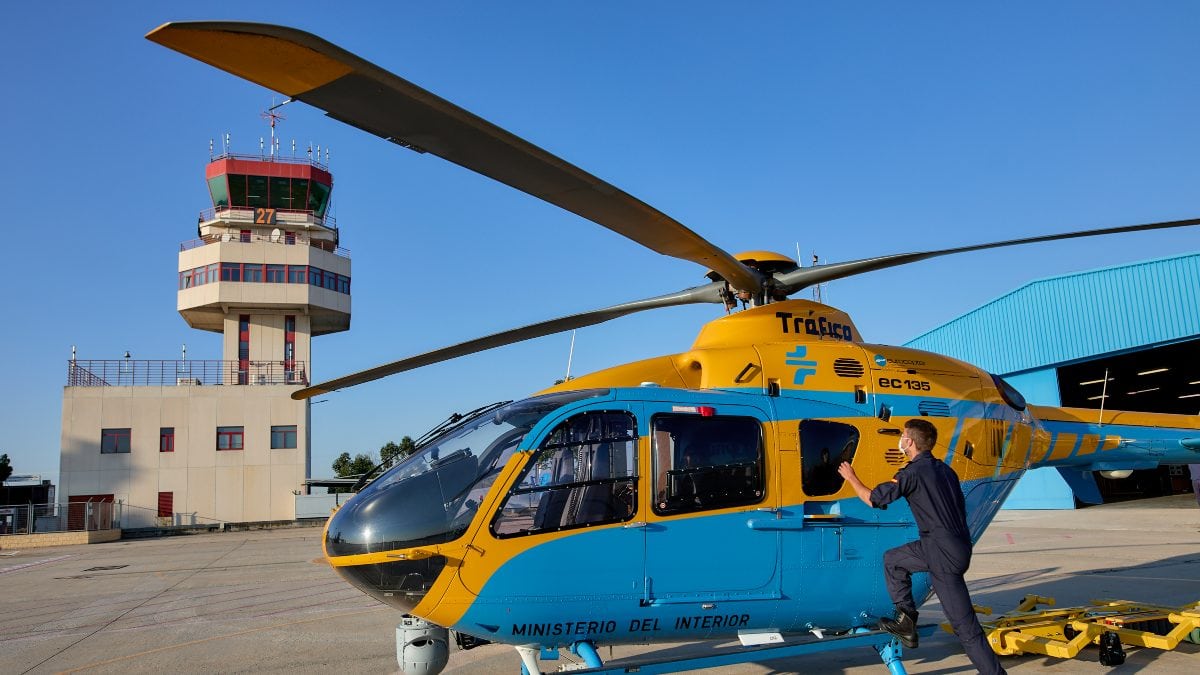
[{"x": 919, "y": 436}]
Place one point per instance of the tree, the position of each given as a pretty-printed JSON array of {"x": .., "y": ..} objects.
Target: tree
[
  {"x": 393, "y": 451},
  {"x": 345, "y": 467},
  {"x": 6, "y": 468}
]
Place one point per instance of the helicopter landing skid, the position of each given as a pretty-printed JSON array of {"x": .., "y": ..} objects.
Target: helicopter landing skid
[{"x": 888, "y": 648}]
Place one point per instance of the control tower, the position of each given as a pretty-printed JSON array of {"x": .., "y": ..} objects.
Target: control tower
[
  {"x": 266, "y": 270},
  {"x": 194, "y": 442}
]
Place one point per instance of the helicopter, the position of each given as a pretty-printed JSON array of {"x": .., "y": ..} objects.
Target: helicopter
[{"x": 691, "y": 496}]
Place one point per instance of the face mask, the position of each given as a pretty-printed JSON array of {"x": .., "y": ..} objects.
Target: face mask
[{"x": 900, "y": 445}]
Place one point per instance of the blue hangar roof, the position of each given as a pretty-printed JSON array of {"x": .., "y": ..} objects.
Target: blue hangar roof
[{"x": 1076, "y": 316}]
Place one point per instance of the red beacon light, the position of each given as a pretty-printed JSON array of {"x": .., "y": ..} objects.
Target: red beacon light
[{"x": 703, "y": 410}]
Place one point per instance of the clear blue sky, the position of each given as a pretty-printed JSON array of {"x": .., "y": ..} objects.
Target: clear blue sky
[{"x": 852, "y": 129}]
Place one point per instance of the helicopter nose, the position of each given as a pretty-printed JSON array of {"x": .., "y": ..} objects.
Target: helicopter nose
[
  {"x": 379, "y": 521},
  {"x": 401, "y": 584}
]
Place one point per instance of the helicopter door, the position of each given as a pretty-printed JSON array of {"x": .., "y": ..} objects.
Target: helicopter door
[
  {"x": 582, "y": 477},
  {"x": 708, "y": 477}
]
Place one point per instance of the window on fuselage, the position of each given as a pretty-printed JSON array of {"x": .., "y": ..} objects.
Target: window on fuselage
[
  {"x": 584, "y": 473},
  {"x": 824, "y": 445},
  {"x": 705, "y": 463}
]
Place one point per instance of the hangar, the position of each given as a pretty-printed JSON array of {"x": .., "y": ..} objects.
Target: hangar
[{"x": 1125, "y": 337}]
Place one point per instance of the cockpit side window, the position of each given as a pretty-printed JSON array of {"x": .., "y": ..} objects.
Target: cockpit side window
[
  {"x": 823, "y": 446},
  {"x": 705, "y": 463},
  {"x": 584, "y": 473}
]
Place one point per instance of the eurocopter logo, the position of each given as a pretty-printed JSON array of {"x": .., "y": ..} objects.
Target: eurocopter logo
[
  {"x": 880, "y": 361},
  {"x": 796, "y": 358}
]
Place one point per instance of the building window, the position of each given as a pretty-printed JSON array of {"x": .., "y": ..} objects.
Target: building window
[
  {"x": 166, "y": 439},
  {"x": 274, "y": 274},
  {"x": 245, "y": 236},
  {"x": 114, "y": 441},
  {"x": 289, "y": 350},
  {"x": 289, "y": 238},
  {"x": 584, "y": 473},
  {"x": 166, "y": 504},
  {"x": 243, "y": 349},
  {"x": 704, "y": 463},
  {"x": 230, "y": 438},
  {"x": 283, "y": 437}
]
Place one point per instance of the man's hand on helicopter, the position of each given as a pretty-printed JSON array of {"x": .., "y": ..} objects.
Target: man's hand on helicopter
[{"x": 863, "y": 492}]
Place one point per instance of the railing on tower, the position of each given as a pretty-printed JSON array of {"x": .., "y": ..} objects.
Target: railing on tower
[
  {"x": 141, "y": 373},
  {"x": 277, "y": 158},
  {"x": 283, "y": 238}
]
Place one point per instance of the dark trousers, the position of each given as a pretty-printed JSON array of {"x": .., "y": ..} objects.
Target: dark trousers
[{"x": 945, "y": 560}]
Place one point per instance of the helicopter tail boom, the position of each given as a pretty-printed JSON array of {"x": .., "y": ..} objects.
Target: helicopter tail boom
[{"x": 1115, "y": 440}]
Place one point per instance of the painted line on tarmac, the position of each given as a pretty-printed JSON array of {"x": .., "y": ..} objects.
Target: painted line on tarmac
[
  {"x": 15, "y": 568},
  {"x": 97, "y": 664}
]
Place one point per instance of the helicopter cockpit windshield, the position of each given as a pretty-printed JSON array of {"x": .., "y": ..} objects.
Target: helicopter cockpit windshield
[{"x": 432, "y": 496}]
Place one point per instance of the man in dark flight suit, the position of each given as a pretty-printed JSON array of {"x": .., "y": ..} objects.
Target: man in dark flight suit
[{"x": 943, "y": 549}]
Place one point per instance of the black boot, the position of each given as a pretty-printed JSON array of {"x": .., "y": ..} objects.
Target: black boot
[{"x": 904, "y": 626}]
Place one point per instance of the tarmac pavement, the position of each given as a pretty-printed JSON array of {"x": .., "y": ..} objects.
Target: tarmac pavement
[{"x": 254, "y": 602}]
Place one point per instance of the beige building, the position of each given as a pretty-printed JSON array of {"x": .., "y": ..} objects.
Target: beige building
[{"x": 220, "y": 441}]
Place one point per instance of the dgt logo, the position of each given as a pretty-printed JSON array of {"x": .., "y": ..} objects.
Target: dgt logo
[{"x": 796, "y": 358}]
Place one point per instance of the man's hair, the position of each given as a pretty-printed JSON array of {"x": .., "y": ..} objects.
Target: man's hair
[{"x": 922, "y": 433}]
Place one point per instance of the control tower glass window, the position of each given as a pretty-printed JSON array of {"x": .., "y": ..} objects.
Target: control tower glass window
[
  {"x": 256, "y": 191},
  {"x": 237, "y": 189},
  {"x": 318, "y": 199},
  {"x": 281, "y": 193},
  {"x": 219, "y": 191},
  {"x": 299, "y": 194}
]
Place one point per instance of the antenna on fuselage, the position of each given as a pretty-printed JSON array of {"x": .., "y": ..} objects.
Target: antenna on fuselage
[
  {"x": 816, "y": 288},
  {"x": 570, "y": 356},
  {"x": 1103, "y": 398}
]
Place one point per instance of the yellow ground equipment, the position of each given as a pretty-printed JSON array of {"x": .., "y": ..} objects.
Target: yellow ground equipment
[{"x": 1062, "y": 633}]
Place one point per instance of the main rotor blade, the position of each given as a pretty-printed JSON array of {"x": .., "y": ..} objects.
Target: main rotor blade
[
  {"x": 706, "y": 293},
  {"x": 361, "y": 94},
  {"x": 808, "y": 276}
]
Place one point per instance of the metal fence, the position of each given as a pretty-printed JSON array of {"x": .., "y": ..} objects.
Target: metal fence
[
  {"x": 140, "y": 517},
  {"x": 130, "y": 373},
  {"x": 93, "y": 516},
  {"x": 70, "y": 517}
]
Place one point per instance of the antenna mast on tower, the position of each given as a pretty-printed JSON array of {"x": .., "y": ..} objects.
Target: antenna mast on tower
[{"x": 272, "y": 117}]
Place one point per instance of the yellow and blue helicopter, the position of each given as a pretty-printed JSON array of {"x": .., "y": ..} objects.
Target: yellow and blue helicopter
[{"x": 689, "y": 496}]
